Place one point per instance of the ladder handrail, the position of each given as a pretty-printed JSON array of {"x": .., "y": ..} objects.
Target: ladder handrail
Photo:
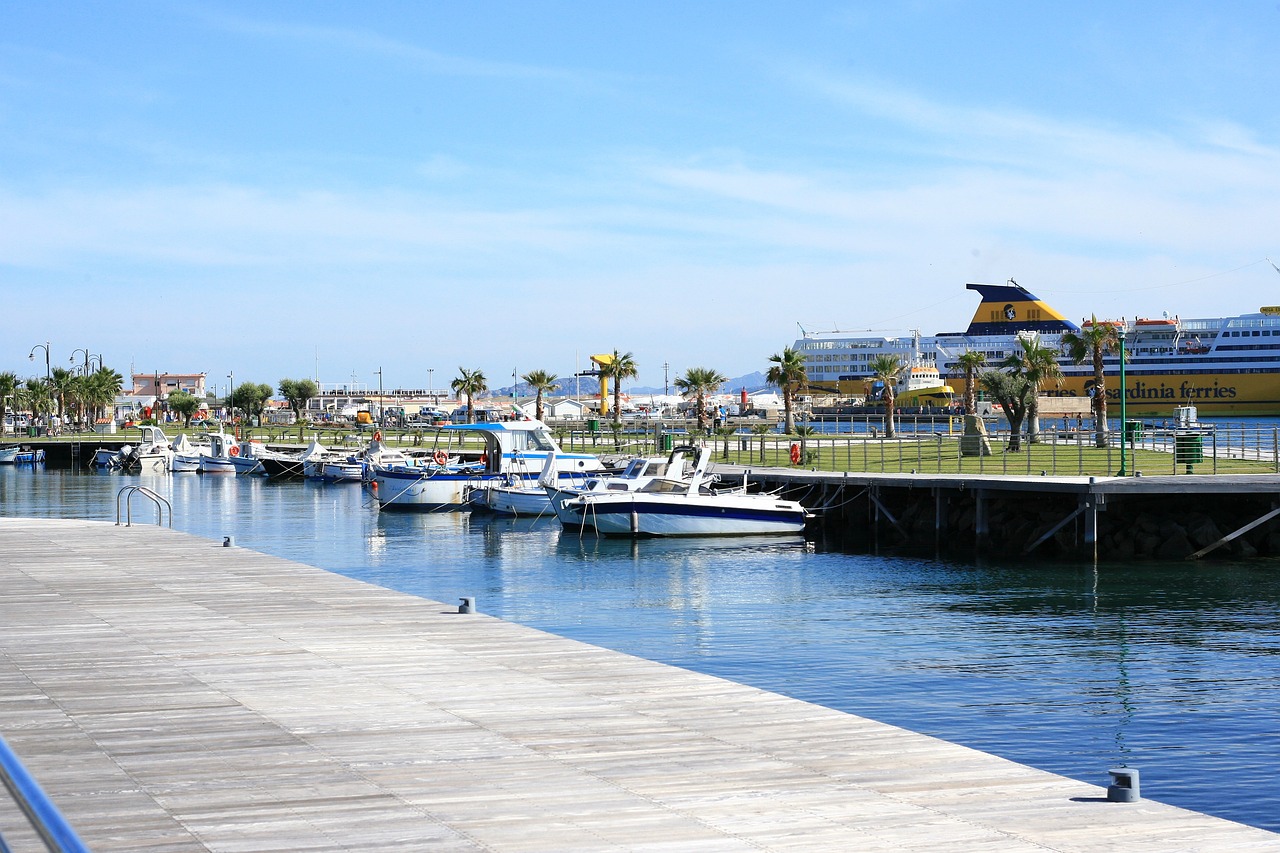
[
  {"x": 160, "y": 502},
  {"x": 40, "y": 811}
]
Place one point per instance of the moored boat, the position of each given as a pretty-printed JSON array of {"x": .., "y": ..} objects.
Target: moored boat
[
  {"x": 668, "y": 507},
  {"x": 456, "y": 469}
]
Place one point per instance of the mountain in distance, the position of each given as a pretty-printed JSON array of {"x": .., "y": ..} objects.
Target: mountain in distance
[{"x": 568, "y": 385}]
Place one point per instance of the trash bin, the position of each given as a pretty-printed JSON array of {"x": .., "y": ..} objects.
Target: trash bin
[
  {"x": 667, "y": 441},
  {"x": 593, "y": 424},
  {"x": 1188, "y": 448},
  {"x": 1132, "y": 430},
  {"x": 31, "y": 432}
]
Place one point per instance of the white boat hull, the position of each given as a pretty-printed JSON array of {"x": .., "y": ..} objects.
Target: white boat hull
[
  {"x": 509, "y": 500},
  {"x": 641, "y": 514}
]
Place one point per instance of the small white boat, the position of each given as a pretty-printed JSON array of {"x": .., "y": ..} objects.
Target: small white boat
[
  {"x": 669, "y": 507},
  {"x": 248, "y": 460},
  {"x": 187, "y": 455},
  {"x": 153, "y": 453}
]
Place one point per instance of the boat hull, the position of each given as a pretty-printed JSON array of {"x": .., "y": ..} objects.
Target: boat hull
[{"x": 639, "y": 515}]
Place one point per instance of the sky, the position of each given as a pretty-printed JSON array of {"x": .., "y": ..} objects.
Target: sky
[{"x": 328, "y": 190}]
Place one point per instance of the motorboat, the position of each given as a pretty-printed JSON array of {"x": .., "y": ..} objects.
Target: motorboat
[
  {"x": 638, "y": 473},
  {"x": 248, "y": 460},
  {"x": 457, "y": 469},
  {"x": 672, "y": 507}
]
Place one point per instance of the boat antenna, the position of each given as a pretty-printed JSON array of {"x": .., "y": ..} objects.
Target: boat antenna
[{"x": 1273, "y": 265}]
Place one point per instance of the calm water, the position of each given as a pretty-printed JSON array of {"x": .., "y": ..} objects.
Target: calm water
[{"x": 1171, "y": 668}]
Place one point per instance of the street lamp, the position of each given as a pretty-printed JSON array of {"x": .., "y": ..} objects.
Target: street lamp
[
  {"x": 231, "y": 392},
  {"x": 48, "y": 373},
  {"x": 1124, "y": 423},
  {"x": 380, "y": 400},
  {"x": 431, "y": 385},
  {"x": 88, "y": 359}
]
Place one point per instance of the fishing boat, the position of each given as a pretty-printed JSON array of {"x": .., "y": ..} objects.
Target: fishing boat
[
  {"x": 289, "y": 466},
  {"x": 1223, "y": 366},
  {"x": 187, "y": 455},
  {"x": 220, "y": 458},
  {"x": 671, "y": 507},
  {"x": 468, "y": 457}
]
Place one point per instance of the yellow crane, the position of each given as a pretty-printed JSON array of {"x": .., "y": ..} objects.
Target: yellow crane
[{"x": 603, "y": 362}]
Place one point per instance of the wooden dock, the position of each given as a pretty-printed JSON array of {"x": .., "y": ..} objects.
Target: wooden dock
[{"x": 174, "y": 694}]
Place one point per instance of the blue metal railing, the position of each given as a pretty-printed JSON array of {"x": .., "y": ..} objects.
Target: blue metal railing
[{"x": 43, "y": 815}]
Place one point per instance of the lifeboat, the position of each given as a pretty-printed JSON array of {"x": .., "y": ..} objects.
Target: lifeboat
[{"x": 1155, "y": 322}]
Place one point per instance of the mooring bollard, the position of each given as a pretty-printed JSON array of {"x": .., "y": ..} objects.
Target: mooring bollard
[
  {"x": 468, "y": 605},
  {"x": 228, "y": 541},
  {"x": 1124, "y": 786}
]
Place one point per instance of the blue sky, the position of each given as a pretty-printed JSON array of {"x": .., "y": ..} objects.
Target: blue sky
[{"x": 281, "y": 189}]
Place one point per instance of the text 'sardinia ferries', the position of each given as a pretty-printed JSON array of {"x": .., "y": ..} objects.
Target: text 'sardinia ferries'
[
  {"x": 1223, "y": 366},
  {"x": 467, "y": 458}
]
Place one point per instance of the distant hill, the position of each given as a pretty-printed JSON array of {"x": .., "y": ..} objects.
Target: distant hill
[{"x": 568, "y": 386}]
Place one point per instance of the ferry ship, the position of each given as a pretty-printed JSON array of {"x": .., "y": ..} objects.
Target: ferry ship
[{"x": 1223, "y": 366}]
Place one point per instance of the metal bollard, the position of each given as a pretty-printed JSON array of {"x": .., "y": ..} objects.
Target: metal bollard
[
  {"x": 228, "y": 541},
  {"x": 468, "y": 605},
  {"x": 1124, "y": 786}
]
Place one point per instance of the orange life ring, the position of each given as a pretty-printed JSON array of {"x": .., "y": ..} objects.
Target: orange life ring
[
  {"x": 377, "y": 435},
  {"x": 484, "y": 458},
  {"x": 235, "y": 450},
  {"x": 440, "y": 457},
  {"x": 795, "y": 454}
]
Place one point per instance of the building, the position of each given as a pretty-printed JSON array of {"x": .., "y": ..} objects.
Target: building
[{"x": 163, "y": 384}]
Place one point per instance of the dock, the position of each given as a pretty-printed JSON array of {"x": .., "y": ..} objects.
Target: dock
[{"x": 173, "y": 693}]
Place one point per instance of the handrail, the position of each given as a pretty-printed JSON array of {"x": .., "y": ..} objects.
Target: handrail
[
  {"x": 43, "y": 815},
  {"x": 161, "y": 505}
]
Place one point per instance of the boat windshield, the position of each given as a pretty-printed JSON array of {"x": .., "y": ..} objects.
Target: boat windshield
[
  {"x": 532, "y": 440},
  {"x": 666, "y": 487}
]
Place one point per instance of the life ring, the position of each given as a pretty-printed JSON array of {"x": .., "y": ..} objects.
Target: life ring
[
  {"x": 234, "y": 451},
  {"x": 440, "y": 457},
  {"x": 484, "y": 458},
  {"x": 377, "y": 435},
  {"x": 795, "y": 454}
]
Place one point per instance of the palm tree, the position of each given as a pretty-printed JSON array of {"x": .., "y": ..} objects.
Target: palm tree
[
  {"x": 806, "y": 432},
  {"x": 63, "y": 387},
  {"x": 623, "y": 366},
  {"x": 971, "y": 362},
  {"x": 1094, "y": 340},
  {"x": 789, "y": 374},
  {"x": 36, "y": 397},
  {"x": 699, "y": 382},
  {"x": 1039, "y": 365},
  {"x": 103, "y": 387},
  {"x": 8, "y": 392},
  {"x": 469, "y": 384},
  {"x": 541, "y": 382},
  {"x": 887, "y": 369},
  {"x": 761, "y": 430}
]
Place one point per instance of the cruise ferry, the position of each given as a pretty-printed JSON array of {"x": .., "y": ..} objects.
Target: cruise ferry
[{"x": 1223, "y": 366}]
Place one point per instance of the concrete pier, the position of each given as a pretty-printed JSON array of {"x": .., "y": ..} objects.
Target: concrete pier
[{"x": 174, "y": 694}]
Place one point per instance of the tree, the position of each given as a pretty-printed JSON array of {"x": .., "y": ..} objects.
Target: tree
[
  {"x": 971, "y": 362},
  {"x": 8, "y": 392},
  {"x": 63, "y": 387},
  {"x": 470, "y": 383},
  {"x": 886, "y": 369},
  {"x": 699, "y": 382},
  {"x": 101, "y": 390},
  {"x": 761, "y": 430},
  {"x": 623, "y": 366},
  {"x": 184, "y": 404},
  {"x": 251, "y": 398},
  {"x": 806, "y": 432},
  {"x": 790, "y": 375},
  {"x": 36, "y": 397},
  {"x": 1094, "y": 340},
  {"x": 298, "y": 392},
  {"x": 1013, "y": 391},
  {"x": 541, "y": 382},
  {"x": 1039, "y": 364}
]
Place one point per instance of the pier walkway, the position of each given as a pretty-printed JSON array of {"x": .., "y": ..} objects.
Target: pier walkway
[{"x": 172, "y": 694}]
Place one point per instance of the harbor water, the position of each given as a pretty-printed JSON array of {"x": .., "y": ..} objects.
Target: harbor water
[{"x": 1170, "y": 668}]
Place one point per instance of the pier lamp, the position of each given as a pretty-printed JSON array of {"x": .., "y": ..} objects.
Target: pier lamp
[
  {"x": 1124, "y": 422},
  {"x": 88, "y": 359},
  {"x": 431, "y": 385},
  {"x": 31, "y": 356},
  {"x": 231, "y": 392}
]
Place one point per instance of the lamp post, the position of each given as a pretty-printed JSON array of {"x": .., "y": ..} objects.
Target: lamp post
[
  {"x": 431, "y": 385},
  {"x": 48, "y": 372},
  {"x": 380, "y": 402},
  {"x": 231, "y": 392},
  {"x": 1124, "y": 423},
  {"x": 666, "y": 387},
  {"x": 88, "y": 359}
]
